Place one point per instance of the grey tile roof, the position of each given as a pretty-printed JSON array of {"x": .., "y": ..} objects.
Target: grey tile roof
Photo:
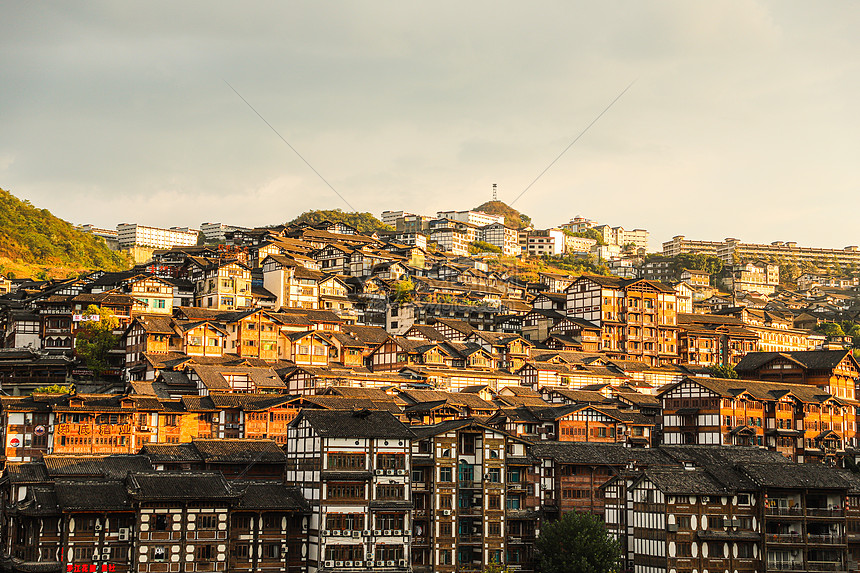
[
  {"x": 358, "y": 424},
  {"x": 198, "y": 485},
  {"x": 94, "y": 495},
  {"x": 239, "y": 451}
]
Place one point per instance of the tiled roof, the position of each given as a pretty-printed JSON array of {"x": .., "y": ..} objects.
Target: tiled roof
[
  {"x": 268, "y": 495},
  {"x": 810, "y": 359},
  {"x": 92, "y": 495},
  {"x": 360, "y": 424},
  {"x": 239, "y": 451},
  {"x": 196, "y": 485}
]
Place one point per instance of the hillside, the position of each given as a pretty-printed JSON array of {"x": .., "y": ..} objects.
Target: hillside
[
  {"x": 365, "y": 223},
  {"x": 513, "y": 218},
  {"x": 33, "y": 242}
]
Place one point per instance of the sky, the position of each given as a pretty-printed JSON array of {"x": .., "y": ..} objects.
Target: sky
[{"x": 742, "y": 119}]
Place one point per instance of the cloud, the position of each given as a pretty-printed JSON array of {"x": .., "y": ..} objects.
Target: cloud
[{"x": 742, "y": 115}]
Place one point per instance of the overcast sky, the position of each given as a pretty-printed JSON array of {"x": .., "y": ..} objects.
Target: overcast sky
[{"x": 743, "y": 119}]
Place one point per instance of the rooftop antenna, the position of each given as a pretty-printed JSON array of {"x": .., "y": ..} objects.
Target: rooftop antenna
[{"x": 494, "y": 192}]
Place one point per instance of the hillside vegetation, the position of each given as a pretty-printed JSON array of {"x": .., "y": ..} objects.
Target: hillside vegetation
[
  {"x": 33, "y": 242},
  {"x": 365, "y": 223},
  {"x": 513, "y": 218}
]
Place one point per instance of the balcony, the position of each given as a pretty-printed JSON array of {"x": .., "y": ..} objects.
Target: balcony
[
  {"x": 469, "y": 484},
  {"x": 824, "y": 512},
  {"x": 825, "y": 566},
  {"x": 785, "y": 566},
  {"x": 825, "y": 539},
  {"x": 784, "y": 511},
  {"x": 472, "y": 538},
  {"x": 784, "y": 538}
]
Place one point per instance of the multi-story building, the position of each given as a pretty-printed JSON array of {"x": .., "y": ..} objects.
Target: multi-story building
[
  {"x": 354, "y": 469},
  {"x": 637, "y": 317},
  {"x": 477, "y": 218},
  {"x": 498, "y": 235},
  {"x": 451, "y": 241},
  {"x": 833, "y": 371},
  {"x": 762, "y": 278},
  {"x": 730, "y": 509},
  {"x": 294, "y": 286},
  {"x": 710, "y": 340},
  {"x": 216, "y": 231},
  {"x": 546, "y": 242},
  {"x": 134, "y": 235},
  {"x": 798, "y": 421},
  {"x": 221, "y": 285},
  {"x": 475, "y": 498},
  {"x": 574, "y": 244},
  {"x": 680, "y": 245}
]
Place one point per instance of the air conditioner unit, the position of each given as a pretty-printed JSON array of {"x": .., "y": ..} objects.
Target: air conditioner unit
[
  {"x": 401, "y": 472},
  {"x": 328, "y": 564},
  {"x": 96, "y": 557},
  {"x": 347, "y": 563},
  {"x": 380, "y": 563},
  {"x": 379, "y": 472},
  {"x": 672, "y": 527},
  {"x": 326, "y": 532},
  {"x": 356, "y": 534},
  {"x": 377, "y": 532},
  {"x": 401, "y": 563},
  {"x": 98, "y": 526},
  {"x": 386, "y": 533},
  {"x": 369, "y": 558},
  {"x": 346, "y": 533},
  {"x": 366, "y": 533},
  {"x": 105, "y": 553},
  {"x": 446, "y": 512},
  {"x": 124, "y": 533},
  {"x": 389, "y": 563},
  {"x": 486, "y": 477},
  {"x": 389, "y": 472},
  {"x": 338, "y": 563},
  {"x": 397, "y": 532}
]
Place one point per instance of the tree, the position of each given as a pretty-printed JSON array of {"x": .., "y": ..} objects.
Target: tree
[
  {"x": 830, "y": 329},
  {"x": 577, "y": 543},
  {"x": 723, "y": 371},
  {"x": 55, "y": 389},
  {"x": 483, "y": 247},
  {"x": 403, "y": 291},
  {"x": 95, "y": 339}
]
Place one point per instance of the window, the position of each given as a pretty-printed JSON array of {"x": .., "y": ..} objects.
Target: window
[
  {"x": 494, "y": 475},
  {"x": 205, "y": 552},
  {"x": 207, "y": 521},
  {"x": 445, "y": 529},
  {"x": 683, "y": 550},
  {"x": 271, "y": 551},
  {"x": 494, "y": 502},
  {"x": 494, "y": 528},
  {"x": 157, "y": 553},
  {"x": 445, "y": 501},
  {"x": 344, "y": 521},
  {"x": 241, "y": 522},
  {"x": 391, "y": 461},
  {"x": 345, "y": 491},
  {"x": 346, "y": 462},
  {"x": 161, "y": 522},
  {"x": 241, "y": 551},
  {"x": 446, "y": 474},
  {"x": 389, "y": 491}
]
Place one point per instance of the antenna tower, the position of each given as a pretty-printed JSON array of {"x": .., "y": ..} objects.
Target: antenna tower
[{"x": 494, "y": 192}]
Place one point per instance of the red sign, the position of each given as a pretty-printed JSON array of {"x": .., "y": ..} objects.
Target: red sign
[
  {"x": 14, "y": 442},
  {"x": 90, "y": 568}
]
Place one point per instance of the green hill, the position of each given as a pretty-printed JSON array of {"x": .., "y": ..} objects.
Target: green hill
[
  {"x": 513, "y": 218},
  {"x": 34, "y": 242},
  {"x": 364, "y": 223}
]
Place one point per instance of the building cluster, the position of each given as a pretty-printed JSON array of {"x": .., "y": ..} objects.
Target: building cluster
[{"x": 310, "y": 398}]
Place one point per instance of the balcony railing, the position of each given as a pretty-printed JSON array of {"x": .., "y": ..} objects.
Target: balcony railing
[
  {"x": 783, "y": 511},
  {"x": 785, "y": 566},
  {"x": 784, "y": 538},
  {"x": 824, "y": 512},
  {"x": 825, "y": 539},
  {"x": 825, "y": 566}
]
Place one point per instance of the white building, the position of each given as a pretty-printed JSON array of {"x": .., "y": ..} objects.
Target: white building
[
  {"x": 574, "y": 244},
  {"x": 134, "y": 235},
  {"x": 478, "y": 218},
  {"x": 215, "y": 231},
  {"x": 390, "y": 217},
  {"x": 498, "y": 235},
  {"x": 547, "y": 242},
  {"x": 451, "y": 241}
]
